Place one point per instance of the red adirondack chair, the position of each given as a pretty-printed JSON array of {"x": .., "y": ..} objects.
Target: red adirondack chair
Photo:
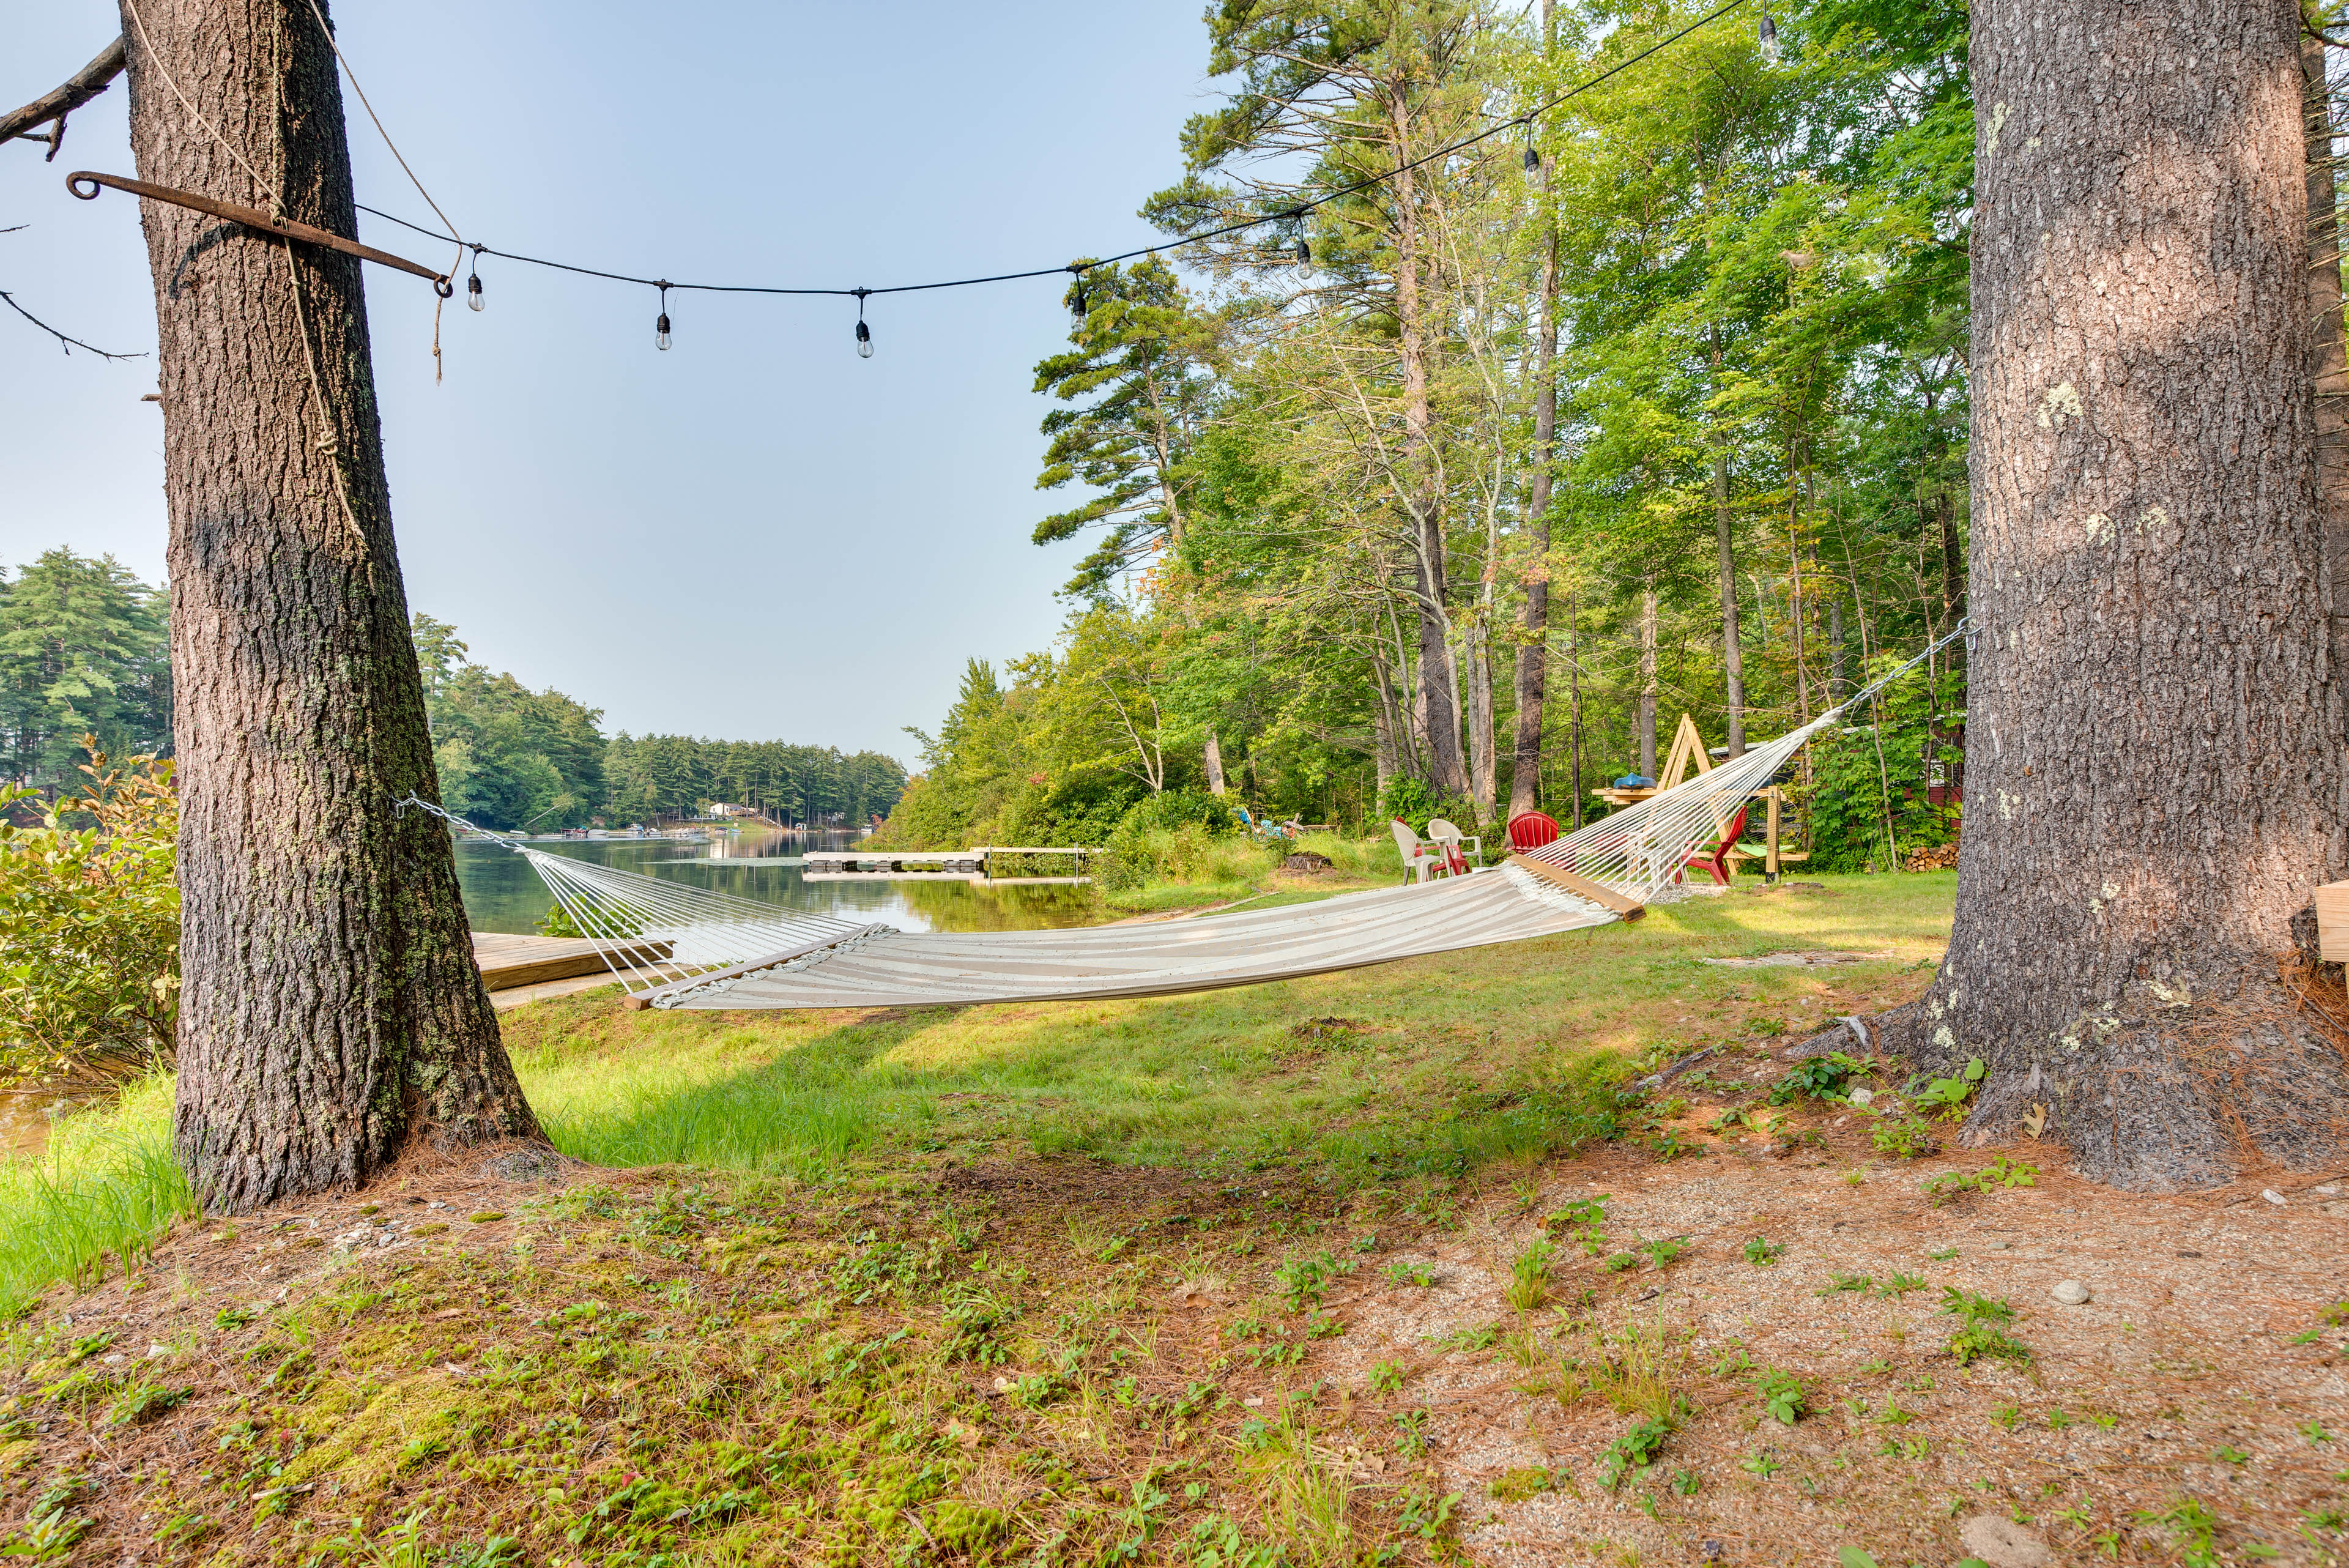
[
  {"x": 1713, "y": 859},
  {"x": 1531, "y": 830}
]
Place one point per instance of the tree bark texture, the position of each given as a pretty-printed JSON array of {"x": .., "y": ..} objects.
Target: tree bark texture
[
  {"x": 1647, "y": 684},
  {"x": 2154, "y": 763},
  {"x": 1533, "y": 635},
  {"x": 2327, "y": 365},
  {"x": 1439, "y": 677},
  {"x": 330, "y": 1012},
  {"x": 1215, "y": 764},
  {"x": 1484, "y": 783},
  {"x": 1733, "y": 645}
]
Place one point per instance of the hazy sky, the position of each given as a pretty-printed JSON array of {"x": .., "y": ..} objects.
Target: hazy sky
[{"x": 756, "y": 534}]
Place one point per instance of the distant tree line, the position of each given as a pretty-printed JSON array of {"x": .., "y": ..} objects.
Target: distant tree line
[
  {"x": 664, "y": 775},
  {"x": 85, "y": 649},
  {"x": 513, "y": 758}
]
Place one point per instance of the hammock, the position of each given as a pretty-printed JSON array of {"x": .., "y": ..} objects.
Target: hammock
[{"x": 676, "y": 946}]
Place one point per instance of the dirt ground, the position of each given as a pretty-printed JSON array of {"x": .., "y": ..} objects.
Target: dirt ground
[{"x": 451, "y": 1348}]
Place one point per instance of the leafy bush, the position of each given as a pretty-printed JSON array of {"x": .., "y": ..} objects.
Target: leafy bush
[
  {"x": 89, "y": 929},
  {"x": 1190, "y": 853},
  {"x": 1181, "y": 808}
]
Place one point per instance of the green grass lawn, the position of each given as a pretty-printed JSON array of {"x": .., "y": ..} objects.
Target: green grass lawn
[
  {"x": 858, "y": 1315},
  {"x": 1437, "y": 1065}
]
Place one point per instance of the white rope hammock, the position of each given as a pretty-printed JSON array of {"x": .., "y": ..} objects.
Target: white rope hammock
[{"x": 676, "y": 946}]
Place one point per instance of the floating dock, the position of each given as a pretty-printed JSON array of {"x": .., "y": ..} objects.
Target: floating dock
[{"x": 979, "y": 866}]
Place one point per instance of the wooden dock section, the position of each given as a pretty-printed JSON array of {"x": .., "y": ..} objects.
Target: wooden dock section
[
  {"x": 972, "y": 866},
  {"x": 510, "y": 962}
]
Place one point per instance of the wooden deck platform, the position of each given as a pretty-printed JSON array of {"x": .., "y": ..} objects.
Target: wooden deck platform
[{"x": 508, "y": 963}]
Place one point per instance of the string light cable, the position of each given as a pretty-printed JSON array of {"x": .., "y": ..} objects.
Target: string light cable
[{"x": 1290, "y": 214}]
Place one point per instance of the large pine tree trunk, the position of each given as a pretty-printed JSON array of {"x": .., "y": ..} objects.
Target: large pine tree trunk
[
  {"x": 1647, "y": 684},
  {"x": 1733, "y": 643},
  {"x": 1533, "y": 637},
  {"x": 2154, "y": 769},
  {"x": 2326, "y": 361},
  {"x": 331, "y": 1012}
]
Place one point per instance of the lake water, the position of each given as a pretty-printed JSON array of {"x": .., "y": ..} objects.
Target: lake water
[{"x": 503, "y": 894}]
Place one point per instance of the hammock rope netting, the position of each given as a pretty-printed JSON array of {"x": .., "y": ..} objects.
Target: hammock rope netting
[{"x": 674, "y": 945}]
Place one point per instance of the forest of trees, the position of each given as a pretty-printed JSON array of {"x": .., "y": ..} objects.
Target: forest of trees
[
  {"x": 1459, "y": 488},
  {"x": 84, "y": 650},
  {"x": 512, "y": 758}
]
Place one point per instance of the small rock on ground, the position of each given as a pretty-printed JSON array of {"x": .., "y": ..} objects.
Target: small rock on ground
[
  {"x": 2003, "y": 1543},
  {"x": 2071, "y": 1292}
]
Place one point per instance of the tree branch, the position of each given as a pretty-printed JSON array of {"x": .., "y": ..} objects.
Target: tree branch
[
  {"x": 69, "y": 344},
  {"x": 83, "y": 86}
]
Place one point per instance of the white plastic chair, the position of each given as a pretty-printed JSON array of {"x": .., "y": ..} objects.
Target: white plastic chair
[
  {"x": 1418, "y": 859},
  {"x": 1456, "y": 862}
]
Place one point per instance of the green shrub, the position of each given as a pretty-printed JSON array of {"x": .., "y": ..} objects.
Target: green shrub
[
  {"x": 1190, "y": 853},
  {"x": 89, "y": 929},
  {"x": 1181, "y": 808}
]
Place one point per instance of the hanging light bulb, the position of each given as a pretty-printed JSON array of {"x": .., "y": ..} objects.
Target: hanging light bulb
[
  {"x": 1533, "y": 157},
  {"x": 474, "y": 284},
  {"x": 1769, "y": 39},
  {"x": 863, "y": 333},
  {"x": 660, "y": 322},
  {"x": 1304, "y": 253}
]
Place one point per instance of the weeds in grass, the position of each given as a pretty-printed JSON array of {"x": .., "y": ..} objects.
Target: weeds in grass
[
  {"x": 1981, "y": 1331},
  {"x": 1818, "y": 1078},
  {"x": 1634, "y": 1453},
  {"x": 1908, "y": 1138},
  {"x": 1783, "y": 1397},
  {"x": 1900, "y": 1284},
  {"x": 1583, "y": 1220},
  {"x": 1950, "y": 1094},
  {"x": 1386, "y": 1378},
  {"x": 1661, "y": 1251},
  {"x": 2010, "y": 1173},
  {"x": 1418, "y": 1275},
  {"x": 1529, "y": 1282},
  {"x": 1840, "y": 1281},
  {"x": 1762, "y": 1252},
  {"x": 2191, "y": 1523}
]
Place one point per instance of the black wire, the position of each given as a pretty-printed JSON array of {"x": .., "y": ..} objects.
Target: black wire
[{"x": 1296, "y": 210}]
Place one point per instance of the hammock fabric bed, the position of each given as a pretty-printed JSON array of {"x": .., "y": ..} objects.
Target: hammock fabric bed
[{"x": 719, "y": 952}]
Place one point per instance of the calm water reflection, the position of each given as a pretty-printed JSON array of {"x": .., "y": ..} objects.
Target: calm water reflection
[{"x": 503, "y": 894}]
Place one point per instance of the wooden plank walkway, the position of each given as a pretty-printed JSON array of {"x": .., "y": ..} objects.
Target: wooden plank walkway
[{"x": 509, "y": 961}]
